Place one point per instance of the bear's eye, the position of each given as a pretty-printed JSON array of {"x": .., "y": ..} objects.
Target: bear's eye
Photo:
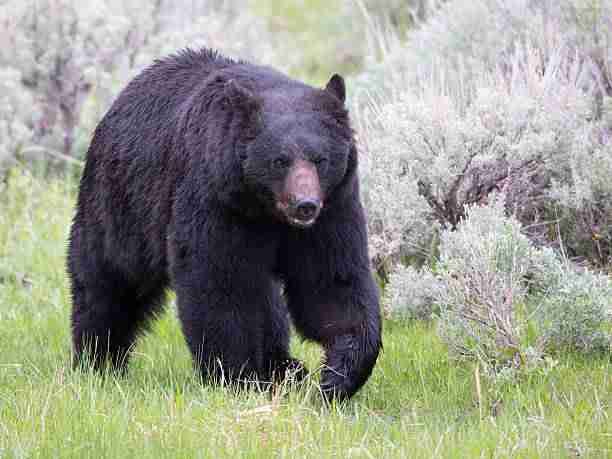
[
  {"x": 319, "y": 160},
  {"x": 281, "y": 162}
]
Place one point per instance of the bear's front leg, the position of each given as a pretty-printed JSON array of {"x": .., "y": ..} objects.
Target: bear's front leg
[
  {"x": 228, "y": 301},
  {"x": 344, "y": 318},
  {"x": 333, "y": 298}
]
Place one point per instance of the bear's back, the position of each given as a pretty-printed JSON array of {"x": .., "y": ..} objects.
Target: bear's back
[
  {"x": 131, "y": 169},
  {"x": 133, "y": 165},
  {"x": 148, "y": 104},
  {"x": 146, "y": 112}
]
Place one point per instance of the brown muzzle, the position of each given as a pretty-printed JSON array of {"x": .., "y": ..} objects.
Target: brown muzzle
[{"x": 301, "y": 200}]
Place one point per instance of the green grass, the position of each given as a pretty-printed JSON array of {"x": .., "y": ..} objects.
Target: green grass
[{"x": 418, "y": 403}]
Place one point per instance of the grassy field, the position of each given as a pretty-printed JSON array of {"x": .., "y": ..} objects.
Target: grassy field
[{"x": 417, "y": 404}]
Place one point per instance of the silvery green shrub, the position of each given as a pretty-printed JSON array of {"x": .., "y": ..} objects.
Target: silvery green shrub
[
  {"x": 488, "y": 96},
  {"x": 482, "y": 267},
  {"x": 15, "y": 116},
  {"x": 492, "y": 284},
  {"x": 400, "y": 221},
  {"x": 71, "y": 58},
  {"x": 427, "y": 155},
  {"x": 465, "y": 39},
  {"x": 573, "y": 307},
  {"x": 412, "y": 293}
]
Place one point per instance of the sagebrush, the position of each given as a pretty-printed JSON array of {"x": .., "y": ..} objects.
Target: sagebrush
[
  {"x": 503, "y": 301},
  {"x": 510, "y": 96}
]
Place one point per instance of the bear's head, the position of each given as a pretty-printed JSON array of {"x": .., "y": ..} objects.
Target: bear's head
[{"x": 298, "y": 149}]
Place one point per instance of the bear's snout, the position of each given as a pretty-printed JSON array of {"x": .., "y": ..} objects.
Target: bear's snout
[{"x": 302, "y": 199}]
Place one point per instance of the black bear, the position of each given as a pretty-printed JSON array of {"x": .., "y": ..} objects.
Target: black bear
[{"x": 237, "y": 187}]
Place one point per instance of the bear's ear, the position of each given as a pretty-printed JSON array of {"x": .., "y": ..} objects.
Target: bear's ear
[
  {"x": 335, "y": 86},
  {"x": 241, "y": 99}
]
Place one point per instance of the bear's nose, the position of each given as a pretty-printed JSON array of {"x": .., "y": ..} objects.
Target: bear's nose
[{"x": 306, "y": 209}]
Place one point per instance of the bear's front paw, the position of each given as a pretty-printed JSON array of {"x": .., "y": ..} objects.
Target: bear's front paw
[{"x": 350, "y": 360}]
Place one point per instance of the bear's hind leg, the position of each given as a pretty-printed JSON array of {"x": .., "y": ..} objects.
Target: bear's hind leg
[{"x": 107, "y": 316}]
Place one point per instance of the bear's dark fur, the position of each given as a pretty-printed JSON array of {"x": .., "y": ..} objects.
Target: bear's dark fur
[{"x": 230, "y": 183}]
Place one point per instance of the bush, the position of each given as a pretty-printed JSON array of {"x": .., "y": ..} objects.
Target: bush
[
  {"x": 68, "y": 59},
  {"x": 571, "y": 307},
  {"x": 483, "y": 264},
  {"x": 465, "y": 39},
  {"x": 15, "y": 128},
  {"x": 400, "y": 221},
  {"x": 486, "y": 97},
  {"x": 412, "y": 293},
  {"x": 503, "y": 301}
]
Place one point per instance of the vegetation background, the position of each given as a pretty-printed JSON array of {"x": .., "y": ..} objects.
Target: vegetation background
[{"x": 486, "y": 163}]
